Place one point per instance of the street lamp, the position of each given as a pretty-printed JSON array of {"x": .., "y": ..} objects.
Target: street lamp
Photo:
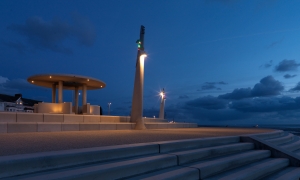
[{"x": 108, "y": 108}]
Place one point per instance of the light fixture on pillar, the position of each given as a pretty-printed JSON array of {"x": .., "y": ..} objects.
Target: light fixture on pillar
[{"x": 108, "y": 108}]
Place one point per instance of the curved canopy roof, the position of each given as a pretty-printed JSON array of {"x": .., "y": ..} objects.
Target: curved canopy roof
[{"x": 70, "y": 81}]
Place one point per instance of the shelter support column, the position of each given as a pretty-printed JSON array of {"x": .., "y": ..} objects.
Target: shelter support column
[
  {"x": 60, "y": 92},
  {"x": 76, "y": 100},
  {"x": 54, "y": 93},
  {"x": 84, "y": 94}
]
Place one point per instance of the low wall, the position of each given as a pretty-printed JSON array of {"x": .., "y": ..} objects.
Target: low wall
[
  {"x": 52, "y": 117},
  {"x": 18, "y": 127},
  {"x": 57, "y": 108}
]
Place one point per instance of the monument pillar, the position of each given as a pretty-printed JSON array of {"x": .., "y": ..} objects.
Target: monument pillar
[
  {"x": 162, "y": 105},
  {"x": 137, "y": 98},
  {"x": 54, "y": 93},
  {"x": 84, "y": 94},
  {"x": 76, "y": 100},
  {"x": 60, "y": 92}
]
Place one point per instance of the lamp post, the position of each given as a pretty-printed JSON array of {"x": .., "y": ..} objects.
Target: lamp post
[{"x": 108, "y": 108}]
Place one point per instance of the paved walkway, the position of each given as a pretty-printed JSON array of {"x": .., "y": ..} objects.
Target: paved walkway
[{"x": 23, "y": 143}]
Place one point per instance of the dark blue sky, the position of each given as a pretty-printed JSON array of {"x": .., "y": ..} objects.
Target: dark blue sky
[{"x": 220, "y": 61}]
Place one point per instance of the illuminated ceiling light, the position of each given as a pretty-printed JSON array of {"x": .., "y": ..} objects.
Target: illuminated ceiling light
[
  {"x": 32, "y": 81},
  {"x": 50, "y": 76},
  {"x": 88, "y": 80},
  {"x": 100, "y": 86}
]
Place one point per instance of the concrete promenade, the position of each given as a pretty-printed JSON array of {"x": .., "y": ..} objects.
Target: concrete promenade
[{"x": 25, "y": 143}]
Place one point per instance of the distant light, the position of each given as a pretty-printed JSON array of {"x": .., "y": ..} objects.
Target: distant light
[{"x": 78, "y": 93}]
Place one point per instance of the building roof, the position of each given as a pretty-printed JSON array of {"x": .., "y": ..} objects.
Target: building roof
[
  {"x": 70, "y": 81},
  {"x": 26, "y": 102}
]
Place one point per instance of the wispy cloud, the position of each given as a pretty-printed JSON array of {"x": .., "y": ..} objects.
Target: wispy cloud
[{"x": 51, "y": 35}]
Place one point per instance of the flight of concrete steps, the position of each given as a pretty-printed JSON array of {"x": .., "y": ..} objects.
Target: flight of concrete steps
[{"x": 204, "y": 158}]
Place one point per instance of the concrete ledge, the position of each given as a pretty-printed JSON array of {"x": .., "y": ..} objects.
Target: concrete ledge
[
  {"x": 73, "y": 118},
  {"x": 151, "y": 125},
  {"x": 53, "y": 117},
  {"x": 27, "y": 163},
  {"x": 8, "y": 117},
  {"x": 89, "y": 126},
  {"x": 124, "y": 126},
  {"x": 170, "y": 173},
  {"x": 276, "y": 151},
  {"x": 21, "y": 127},
  {"x": 70, "y": 126},
  {"x": 30, "y": 117},
  {"x": 270, "y": 135},
  {"x": 108, "y": 126},
  {"x": 91, "y": 118},
  {"x": 3, "y": 127},
  {"x": 170, "y": 146},
  {"x": 114, "y": 170},
  {"x": 49, "y": 127},
  {"x": 113, "y": 119}
]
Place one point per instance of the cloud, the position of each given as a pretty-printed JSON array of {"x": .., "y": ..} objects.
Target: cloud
[
  {"x": 207, "y": 102},
  {"x": 287, "y": 65},
  {"x": 266, "y": 104},
  {"x": 274, "y": 43},
  {"x": 212, "y": 85},
  {"x": 14, "y": 86},
  {"x": 51, "y": 35},
  {"x": 238, "y": 93},
  {"x": 3, "y": 79},
  {"x": 267, "y": 86},
  {"x": 296, "y": 88},
  {"x": 268, "y": 64},
  {"x": 288, "y": 76},
  {"x": 20, "y": 47},
  {"x": 183, "y": 97}
]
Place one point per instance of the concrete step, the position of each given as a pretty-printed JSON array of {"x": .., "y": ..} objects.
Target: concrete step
[
  {"x": 270, "y": 135},
  {"x": 179, "y": 145},
  {"x": 292, "y": 146},
  {"x": 290, "y": 173},
  {"x": 110, "y": 170},
  {"x": 283, "y": 139},
  {"x": 254, "y": 170},
  {"x": 174, "y": 173},
  {"x": 210, "y": 152},
  {"x": 213, "y": 167},
  {"x": 28, "y": 163}
]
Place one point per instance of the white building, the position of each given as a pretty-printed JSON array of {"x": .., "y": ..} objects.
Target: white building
[{"x": 16, "y": 103}]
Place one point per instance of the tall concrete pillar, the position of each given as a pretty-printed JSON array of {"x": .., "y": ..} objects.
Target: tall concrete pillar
[
  {"x": 54, "y": 93},
  {"x": 84, "y": 94},
  {"x": 60, "y": 91},
  {"x": 76, "y": 100},
  {"x": 137, "y": 98},
  {"x": 162, "y": 105}
]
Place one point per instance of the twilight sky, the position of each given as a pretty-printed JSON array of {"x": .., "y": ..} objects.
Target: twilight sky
[{"x": 220, "y": 61}]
